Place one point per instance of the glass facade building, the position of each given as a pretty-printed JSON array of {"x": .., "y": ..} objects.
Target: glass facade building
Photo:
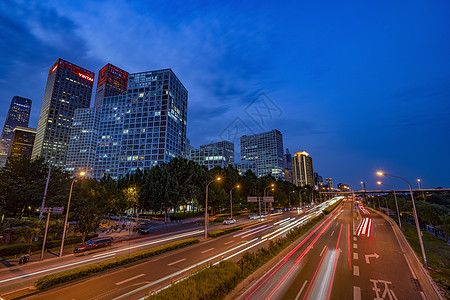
[
  {"x": 18, "y": 115},
  {"x": 112, "y": 81},
  {"x": 83, "y": 141},
  {"x": 220, "y": 154},
  {"x": 266, "y": 151},
  {"x": 22, "y": 142},
  {"x": 68, "y": 87}
]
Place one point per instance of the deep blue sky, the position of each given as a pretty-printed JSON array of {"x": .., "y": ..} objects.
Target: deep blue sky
[{"x": 359, "y": 85}]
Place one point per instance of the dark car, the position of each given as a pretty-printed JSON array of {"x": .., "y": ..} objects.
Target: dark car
[
  {"x": 94, "y": 244},
  {"x": 145, "y": 229}
]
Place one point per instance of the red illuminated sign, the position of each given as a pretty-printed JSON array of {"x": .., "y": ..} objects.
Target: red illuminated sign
[{"x": 85, "y": 77}]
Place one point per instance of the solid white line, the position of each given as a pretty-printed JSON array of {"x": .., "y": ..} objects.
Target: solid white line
[
  {"x": 228, "y": 242},
  {"x": 207, "y": 250},
  {"x": 355, "y": 255},
  {"x": 410, "y": 268},
  {"x": 423, "y": 295},
  {"x": 356, "y": 270},
  {"x": 129, "y": 279},
  {"x": 301, "y": 290},
  {"x": 55, "y": 268},
  {"x": 175, "y": 262},
  {"x": 356, "y": 293},
  {"x": 322, "y": 250}
]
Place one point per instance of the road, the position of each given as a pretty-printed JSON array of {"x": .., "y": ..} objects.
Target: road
[
  {"x": 343, "y": 259},
  {"x": 132, "y": 282}
]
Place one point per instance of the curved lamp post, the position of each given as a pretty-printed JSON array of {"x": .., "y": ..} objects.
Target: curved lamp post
[
  {"x": 415, "y": 215},
  {"x": 270, "y": 186},
  {"x": 396, "y": 203},
  {"x": 206, "y": 206},
  {"x": 231, "y": 199},
  {"x": 81, "y": 174}
]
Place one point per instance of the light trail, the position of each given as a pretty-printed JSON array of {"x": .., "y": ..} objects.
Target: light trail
[{"x": 245, "y": 232}]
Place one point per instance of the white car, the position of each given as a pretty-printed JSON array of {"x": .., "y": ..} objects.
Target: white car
[{"x": 229, "y": 221}]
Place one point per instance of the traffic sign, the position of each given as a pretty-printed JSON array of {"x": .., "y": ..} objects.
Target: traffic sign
[
  {"x": 268, "y": 199},
  {"x": 58, "y": 210},
  {"x": 252, "y": 199}
]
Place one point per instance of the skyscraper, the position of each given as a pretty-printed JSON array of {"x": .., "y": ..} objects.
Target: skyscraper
[
  {"x": 112, "y": 81},
  {"x": 22, "y": 142},
  {"x": 83, "y": 141},
  {"x": 302, "y": 169},
  {"x": 266, "y": 150},
  {"x": 220, "y": 154},
  {"x": 18, "y": 115},
  {"x": 68, "y": 87},
  {"x": 329, "y": 182}
]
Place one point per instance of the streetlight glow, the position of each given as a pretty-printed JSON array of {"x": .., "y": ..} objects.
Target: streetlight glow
[
  {"x": 82, "y": 173},
  {"x": 379, "y": 182},
  {"x": 380, "y": 173},
  {"x": 218, "y": 178}
]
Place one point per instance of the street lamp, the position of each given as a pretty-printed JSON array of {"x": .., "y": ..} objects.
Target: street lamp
[
  {"x": 418, "y": 183},
  {"x": 81, "y": 174},
  {"x": 231, "y": 200},
  {"x": 396, "y": 203},
  {"x": 270, "y": 186},
  {"x": 415, "y": 215},
  {"x": 290, "y": 197},
  {"x": 206, "y": 206}
]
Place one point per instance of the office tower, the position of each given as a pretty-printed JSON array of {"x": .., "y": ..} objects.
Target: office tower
[
  {"x": 343, "y": 187},
  {"x": 109, "y": 142},
  {"x": 187, "y": 149},
  {"x": 318, "y": 181},
  {"x": 112, "y": 81},
  {"x": 220, "y": 154},
  {"x": 68, "y": 87},
  {"x": 155, "y": 120},
  {"x": 22, "y": 142},
  {"x": 18, "y": 115},
  {"x": 329, "y": 183},
  {"x": 302, "y": 169},
  {"x": 288, "y": 166},
  {"x": 243, "y": 167},
  {"x": 83, "y": 141},
  {"x": 266, "y": 150}
]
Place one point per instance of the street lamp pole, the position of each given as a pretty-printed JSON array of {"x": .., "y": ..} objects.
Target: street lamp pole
[
  {"x": 206, "y": 206},
  {"x": 415, "y": 216},
  {"x": 420, "y": 189},
  {"x": 270, "y": 186},
  {"x": 81, "y": 174},
  {"x": 231, "y": 200},
  {"x": 290, "y": 197}
]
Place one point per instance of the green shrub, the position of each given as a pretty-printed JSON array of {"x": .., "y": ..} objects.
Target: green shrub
[
  {"x": 65, "y": 276},
  {"x": 22, "y": 248},
  {"x": 211, "y": 283}
]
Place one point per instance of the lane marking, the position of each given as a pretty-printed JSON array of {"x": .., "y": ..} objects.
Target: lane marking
[
  {"x": 355, "y": 238},
  {"x": 129, "y": 279},
  {"x": 332, "y": 233},
  {"x": 355, "y": 255},
  {"x": 355, "y": 270},
  {"x": 301, "y": 290},
  {"x": 322, "y": 250},
  {"x": 207, "y": 250},
  {"x": 175, "y": 262},
  {"x": 356, "y": 293},
  {"x": 228, "y": 242},
  {"x": 355, "y": 246}
]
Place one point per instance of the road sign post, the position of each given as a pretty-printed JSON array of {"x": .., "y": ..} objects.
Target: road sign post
[{"x": 48, "y": 210}]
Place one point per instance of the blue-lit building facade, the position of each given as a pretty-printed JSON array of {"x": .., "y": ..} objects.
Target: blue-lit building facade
[{"x": 18, "y": 115}]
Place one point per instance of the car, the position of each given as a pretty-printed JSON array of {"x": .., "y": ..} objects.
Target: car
[
  {"x": 229, "y": 221},
  {"x": 145, "y": 229},
  {"x": 253, "y": 216},
  {"x": 94, "y": 244}
]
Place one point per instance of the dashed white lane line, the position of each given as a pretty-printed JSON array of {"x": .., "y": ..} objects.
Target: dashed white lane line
[
  {"x": 356, "y": 293},
  {"x": 207, "y": 250},
  {"x": 355, "y": 246},
  {"x": 356, "y": 270},
  {"x": 175, "y": 262},
  {"x": 129, "y": 279},
  {"x": 301, "y": 290},
  {"x": 355, "y": 255},
  {"x": 324, "y": 247},
  {"x": 332, "y": 233},
  {"x": 228, "y": 242},
  {"x": 355, "y": 238}
]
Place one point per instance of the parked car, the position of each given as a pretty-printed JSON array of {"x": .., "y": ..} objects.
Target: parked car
[
  {"x": 94, "y": 244},
  {"x": 229, "y": 221},
  {"x": 145, "y": 229}
]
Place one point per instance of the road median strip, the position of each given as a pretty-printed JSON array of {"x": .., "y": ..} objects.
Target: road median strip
[{"x": 80, "y": 272}]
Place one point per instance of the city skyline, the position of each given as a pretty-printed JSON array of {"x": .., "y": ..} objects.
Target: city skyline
[{"x": 348, "y": 120}]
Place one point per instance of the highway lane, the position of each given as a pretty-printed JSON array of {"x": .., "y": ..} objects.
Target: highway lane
[
  {"x": 342, "y": 261},
  {"x": 132, "y": 282}
]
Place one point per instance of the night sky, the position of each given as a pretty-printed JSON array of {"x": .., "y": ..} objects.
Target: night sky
[{"x": 361, "y": 85}]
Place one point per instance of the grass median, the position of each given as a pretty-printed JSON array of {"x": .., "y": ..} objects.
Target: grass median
[{"x": 80, "y": 272}]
